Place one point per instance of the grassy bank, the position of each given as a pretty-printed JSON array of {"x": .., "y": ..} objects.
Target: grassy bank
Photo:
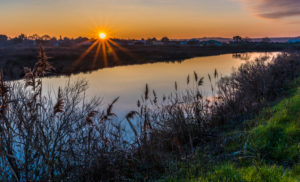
[{"x": 265, "y": 149}]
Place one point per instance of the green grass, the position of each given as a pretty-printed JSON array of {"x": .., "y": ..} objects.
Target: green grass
[
  {"x": 267, "y": 150},
  {"x": 277, "y": 139},
  {"x": 230, "y": 173}
]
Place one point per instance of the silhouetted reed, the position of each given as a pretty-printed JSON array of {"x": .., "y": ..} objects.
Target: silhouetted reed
[{"x": 42, "y": 140}]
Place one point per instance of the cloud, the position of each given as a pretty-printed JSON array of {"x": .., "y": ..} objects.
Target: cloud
[{"x": 275, "y": 9}]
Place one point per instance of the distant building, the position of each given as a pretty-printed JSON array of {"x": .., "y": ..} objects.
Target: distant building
[
  {"x": 193, "y": 42},
  {"x": 211, "y": 43},
  {"x": 294, "y": 41},
  {"x": 183, "y": 42}
]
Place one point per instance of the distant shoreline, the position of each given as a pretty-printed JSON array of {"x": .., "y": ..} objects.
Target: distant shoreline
[{"x": 14, "y": 59}]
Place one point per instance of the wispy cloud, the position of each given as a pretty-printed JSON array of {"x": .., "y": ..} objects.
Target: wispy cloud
[{"x": 274, "y": 9}]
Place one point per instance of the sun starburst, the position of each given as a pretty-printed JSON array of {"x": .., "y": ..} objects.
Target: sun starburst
[{"x": 104, "y": 46}]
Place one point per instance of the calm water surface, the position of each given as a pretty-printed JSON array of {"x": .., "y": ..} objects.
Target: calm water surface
[{"x": 129, "y": 82}]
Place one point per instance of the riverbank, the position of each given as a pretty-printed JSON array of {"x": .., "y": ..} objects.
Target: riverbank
[
  {"x": 264, "y": 149},
  {"x": 66, "y": 59}
]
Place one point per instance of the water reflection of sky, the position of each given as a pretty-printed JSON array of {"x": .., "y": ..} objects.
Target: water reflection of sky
[{"x": 129, "y": 82}]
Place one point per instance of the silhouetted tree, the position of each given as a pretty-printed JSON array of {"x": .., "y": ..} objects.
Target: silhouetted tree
[
  {"x": 165, "y": 39},
  {"x": 45, "y": 37},
  {"x": 66, "y": 39},
  {"x": 81, "y": 39},
  {"x": 153, "y": 39},
  {"x": 20, "y": 38},
  {"x": 34, "y": 37},
  {"x": 266, "y": 40},
  {"x": 237, "y": 39},
  {"x": 3, "y": 37}
]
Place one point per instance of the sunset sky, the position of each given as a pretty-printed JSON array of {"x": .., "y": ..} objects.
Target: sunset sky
[{"x": 151, "y": 18}]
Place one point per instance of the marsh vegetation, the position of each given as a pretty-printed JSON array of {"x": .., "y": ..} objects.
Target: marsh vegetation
[{"x": 181, "y": 136}]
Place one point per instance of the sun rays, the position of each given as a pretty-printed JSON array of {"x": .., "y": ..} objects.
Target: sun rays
[{"x": 105, "y": 49}]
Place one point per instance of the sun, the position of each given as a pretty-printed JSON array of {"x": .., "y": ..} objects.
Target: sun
[
  {"x": 102, "y": 35},
  {"x": 106, "y": 49}
]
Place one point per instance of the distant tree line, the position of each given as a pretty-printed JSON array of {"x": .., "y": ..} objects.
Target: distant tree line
[
  {"x": 35, "y": 40},
  {"x": 47, "y": 40},
  {"x": 238, "y": 39},
  {"x": 23, "y": 37}
]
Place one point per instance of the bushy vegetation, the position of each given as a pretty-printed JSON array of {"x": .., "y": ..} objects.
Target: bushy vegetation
[
  {"x": 181, "y": 137},
  {"x": 266, "y": 149}
]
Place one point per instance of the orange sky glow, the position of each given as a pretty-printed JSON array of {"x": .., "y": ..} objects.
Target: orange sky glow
[{"x": 150, "y": 18}]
